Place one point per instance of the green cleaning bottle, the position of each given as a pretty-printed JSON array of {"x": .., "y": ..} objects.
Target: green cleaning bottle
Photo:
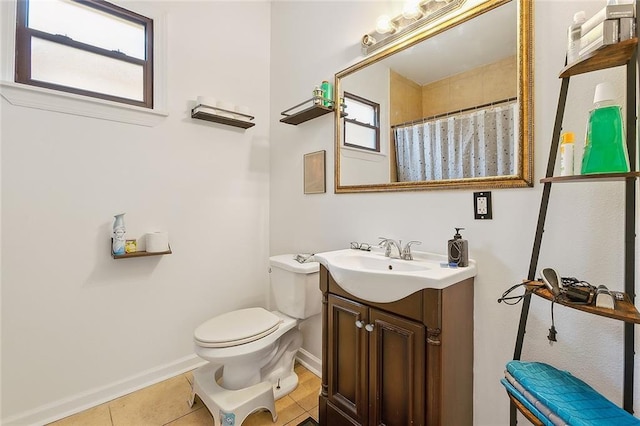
[
  {"x": 327, "y": 93},
  {"x": 605, "y": 149}
]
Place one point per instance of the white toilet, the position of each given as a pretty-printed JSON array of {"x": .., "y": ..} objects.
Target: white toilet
[{"x": 251, "y": 352}]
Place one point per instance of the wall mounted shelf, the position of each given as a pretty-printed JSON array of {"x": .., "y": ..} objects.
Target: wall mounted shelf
[
  {"x": 305, "y": 115},
  {"x": 316, "y": 109},
  {"x": 138, "y": 254},
  {"x": 200, "y": 112}
]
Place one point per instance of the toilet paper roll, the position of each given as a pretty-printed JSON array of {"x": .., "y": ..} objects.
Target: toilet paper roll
[
  {"x": 209, "y": 102},
  {"x": 244, "y": 111},
  {"x": 157, "y": 241},
  {"x": 226, "y": 106}
]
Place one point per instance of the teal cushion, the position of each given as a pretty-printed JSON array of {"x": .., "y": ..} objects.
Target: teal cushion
[{"x": 571, "y": 399}]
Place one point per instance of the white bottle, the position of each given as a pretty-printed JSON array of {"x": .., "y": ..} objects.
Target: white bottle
[
  {"x": 566, "y": 154},
  {"x": 573, "y": 37}
]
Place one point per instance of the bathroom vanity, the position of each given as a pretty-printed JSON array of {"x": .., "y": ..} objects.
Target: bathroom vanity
[{"x": 398, "y": 363}]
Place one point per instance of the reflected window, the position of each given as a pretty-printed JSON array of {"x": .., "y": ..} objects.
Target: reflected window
[
  {"x": 362, "y": 123},
  {"x": 90, "y": 47}
]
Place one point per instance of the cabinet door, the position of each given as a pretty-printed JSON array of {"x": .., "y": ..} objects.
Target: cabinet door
[
  {"x": 396, "y": 371},
  {"x": 347, "y": 382}
]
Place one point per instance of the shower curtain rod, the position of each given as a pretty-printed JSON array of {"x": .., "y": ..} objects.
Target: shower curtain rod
[{"x": 446, "y": 114}]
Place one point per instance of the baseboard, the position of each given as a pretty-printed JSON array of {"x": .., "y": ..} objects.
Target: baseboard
[
  {"x": 310, "y": 362},
  {"x": 80, "y": 402},
  {"x": 68, "y": 406}
]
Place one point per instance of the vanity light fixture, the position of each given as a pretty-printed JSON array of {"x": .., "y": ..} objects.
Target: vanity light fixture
[{"x": 415, "y": 14}]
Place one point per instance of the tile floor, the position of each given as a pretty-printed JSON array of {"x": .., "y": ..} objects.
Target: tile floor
[{"x": 165, "y": 403}]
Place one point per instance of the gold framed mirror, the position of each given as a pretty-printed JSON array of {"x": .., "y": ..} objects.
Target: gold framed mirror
[{"x": 448, "y": 106}]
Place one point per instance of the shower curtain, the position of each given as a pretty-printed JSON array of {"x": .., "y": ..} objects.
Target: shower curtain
[{"x": 475, "y": 144}]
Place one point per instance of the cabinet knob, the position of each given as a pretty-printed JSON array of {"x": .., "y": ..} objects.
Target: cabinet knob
[
  {"x": 368, "y": 327},
  {"x": 359, "y": 323}
]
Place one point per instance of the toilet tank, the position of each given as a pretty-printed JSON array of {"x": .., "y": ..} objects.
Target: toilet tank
[{"x": 295, "y": 287}]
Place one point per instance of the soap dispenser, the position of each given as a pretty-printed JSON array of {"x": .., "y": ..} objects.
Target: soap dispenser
[{"x": 458, "y": 250}]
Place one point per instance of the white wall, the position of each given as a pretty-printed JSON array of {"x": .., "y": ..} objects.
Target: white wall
[
  {"x": 583, "y": 238},
  {"x": 77, "y": 324}
]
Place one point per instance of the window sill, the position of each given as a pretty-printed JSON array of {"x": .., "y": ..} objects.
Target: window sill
[
  {"x": 50, "y": 100},
  {"x": 362, "y": 154}
]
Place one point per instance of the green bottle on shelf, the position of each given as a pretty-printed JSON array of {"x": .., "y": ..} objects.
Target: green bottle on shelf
[
  {"x": 605, "y": 149},
  {"x": 327, "y": 93}
]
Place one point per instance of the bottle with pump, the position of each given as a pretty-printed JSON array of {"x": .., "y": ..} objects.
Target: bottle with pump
[
  {"x": 566, "y": 154},
  {"x": 458, "y": 250},
  {"x": 573, "y": 37},
  {"x": 605, "y": 149}
]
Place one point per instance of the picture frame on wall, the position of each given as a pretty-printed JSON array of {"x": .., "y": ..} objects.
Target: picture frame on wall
[{"x": 315, "y": 173}]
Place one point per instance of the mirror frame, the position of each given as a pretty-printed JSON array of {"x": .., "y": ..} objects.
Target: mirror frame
[{"x": 524, "y": 178}]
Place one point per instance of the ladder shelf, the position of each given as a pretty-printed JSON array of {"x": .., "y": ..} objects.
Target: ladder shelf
[{"x": 623, "y": 53}]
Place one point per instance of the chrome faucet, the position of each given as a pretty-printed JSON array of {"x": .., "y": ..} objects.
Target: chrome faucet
[
  {"x": 387, "y": 243},
  {"x": 406, "y": 251},
  {"x": 403, "y": 253}
]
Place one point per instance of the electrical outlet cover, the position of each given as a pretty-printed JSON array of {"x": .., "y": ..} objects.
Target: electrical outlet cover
[{"x": 482, "y": 205}]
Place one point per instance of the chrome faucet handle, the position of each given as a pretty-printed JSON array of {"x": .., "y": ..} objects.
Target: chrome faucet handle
[
  {"x": 387, "y": 243},
  {"x": 406, "y": 251}
]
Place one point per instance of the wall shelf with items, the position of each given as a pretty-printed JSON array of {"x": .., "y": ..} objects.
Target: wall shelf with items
[
  {"x": 314, "y": 110},
  {"x": 203, "y": 112},
  {"x": 138, "y": 253}
]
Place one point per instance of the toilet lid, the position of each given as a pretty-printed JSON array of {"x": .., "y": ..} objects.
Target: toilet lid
[{"x": 236, "y": 327}]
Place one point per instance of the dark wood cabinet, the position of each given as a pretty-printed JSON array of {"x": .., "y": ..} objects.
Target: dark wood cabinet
[
  {"x": 376, "y": 364},
  {"x": 348, "y": 359},
  {"x": 408, "y": 362}
]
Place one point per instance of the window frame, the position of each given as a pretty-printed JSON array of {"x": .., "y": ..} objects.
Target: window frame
[
  {"x": 24, "y": 35},
  {"x": 376, "y": 126},
  {"x": 34, "y": 97}
]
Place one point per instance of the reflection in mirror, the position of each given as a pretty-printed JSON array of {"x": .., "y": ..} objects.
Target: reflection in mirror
[{"x": 454, "y": 106}]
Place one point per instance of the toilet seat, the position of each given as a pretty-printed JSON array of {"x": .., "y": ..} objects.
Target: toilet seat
[{"x": 236, "y": 328}]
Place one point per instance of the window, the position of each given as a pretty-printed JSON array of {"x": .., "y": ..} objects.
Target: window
[
  {"x": 362, "y": 124},
  {"x": 89, "y": 47}
]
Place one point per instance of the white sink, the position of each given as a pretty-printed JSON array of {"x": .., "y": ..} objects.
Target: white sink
[{"x": 372, "y": 276}]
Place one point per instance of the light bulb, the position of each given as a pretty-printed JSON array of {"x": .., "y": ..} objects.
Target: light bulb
[
  {"x": 411, "y": 9},
  {"x": 384, "y": 25}
]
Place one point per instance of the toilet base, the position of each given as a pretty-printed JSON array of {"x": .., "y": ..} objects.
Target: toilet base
[{"x": 232, "y": 407}]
